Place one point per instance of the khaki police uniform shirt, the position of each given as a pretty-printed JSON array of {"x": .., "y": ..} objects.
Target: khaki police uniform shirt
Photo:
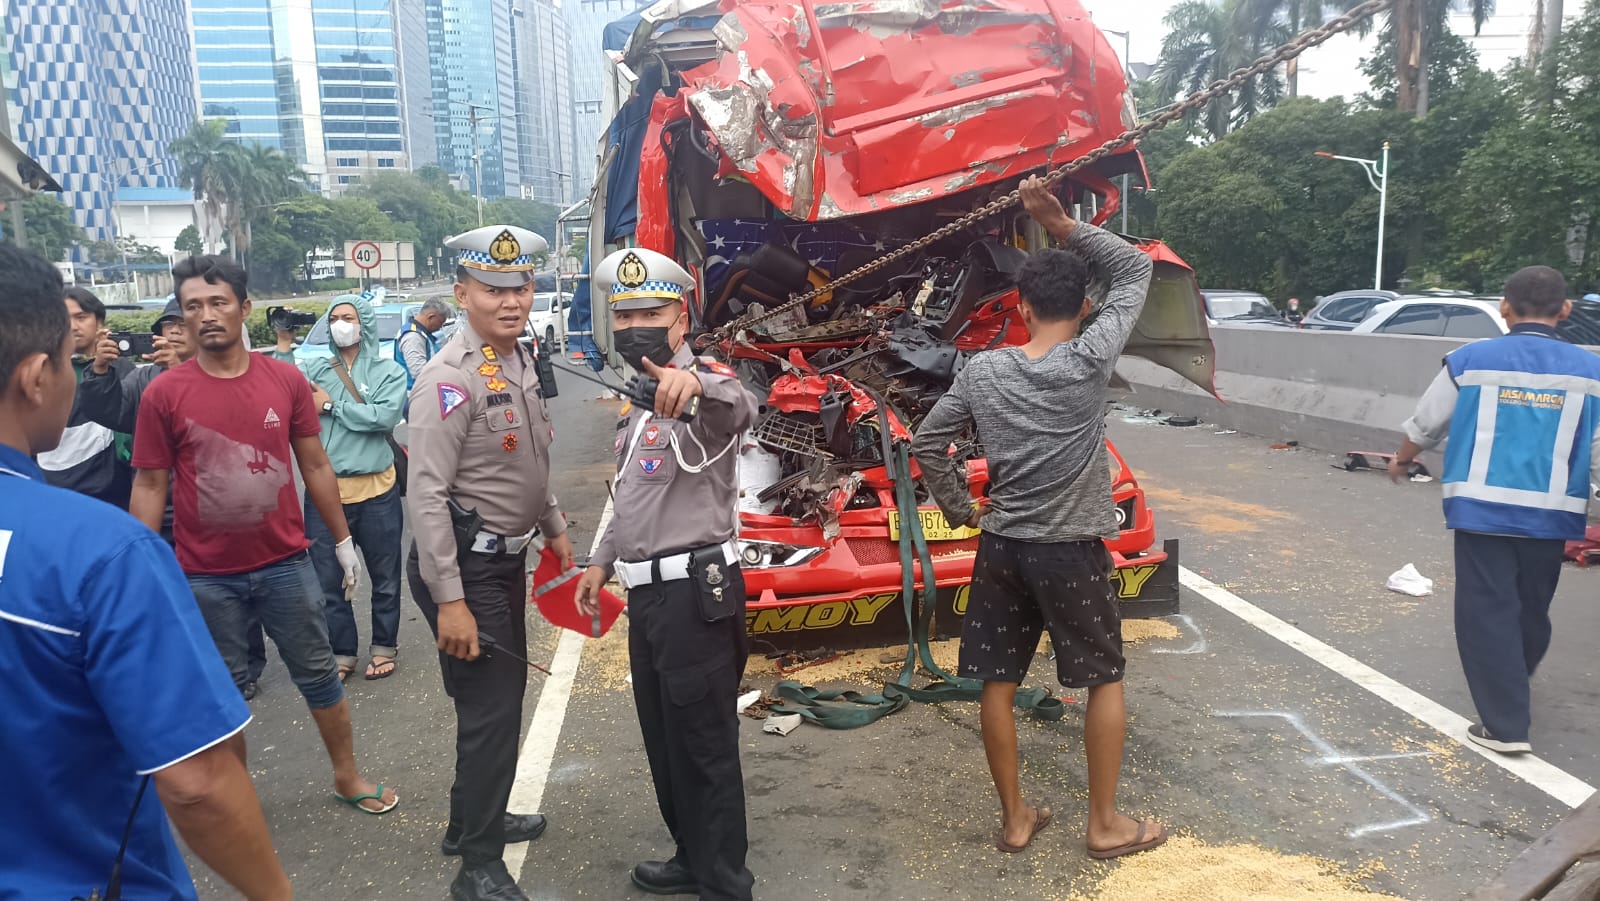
[
  {"x": 480, "y": 434},
  {"x": 660, "y": 507}
]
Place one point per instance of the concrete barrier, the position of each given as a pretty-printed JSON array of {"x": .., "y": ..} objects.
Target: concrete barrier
[{"x": 1328, "y": 390}]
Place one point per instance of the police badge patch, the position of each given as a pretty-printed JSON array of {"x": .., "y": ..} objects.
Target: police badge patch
[
  {"x": 450, "y": 397},
  {"x": 631, "y": 272},
  {"x": 505, "y": 249},
  {"x": 649, "y": 465}
]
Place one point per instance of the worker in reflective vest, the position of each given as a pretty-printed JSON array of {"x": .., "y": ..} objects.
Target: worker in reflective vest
[{"x": 1522, "y": 414}]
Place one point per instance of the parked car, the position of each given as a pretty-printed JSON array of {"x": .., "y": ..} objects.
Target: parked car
[
  {"x": 542, "y": 318},
  {"x": 1345, "y": 310},
  {"x": 1226, "y": 306},
  {"x": 1448, "y": 317}
]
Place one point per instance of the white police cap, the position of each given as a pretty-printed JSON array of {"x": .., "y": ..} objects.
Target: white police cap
[
  {"x": 636, "y": 278},
  {"x": 498, "y": 255}
]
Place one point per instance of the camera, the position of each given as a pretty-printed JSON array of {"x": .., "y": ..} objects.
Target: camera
[
  {"x": 285, "y": 319},
  {"x": 133, "y": 344}
]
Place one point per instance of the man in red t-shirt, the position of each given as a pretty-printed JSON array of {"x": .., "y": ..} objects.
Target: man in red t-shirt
[{"x": 220, "y": 430}]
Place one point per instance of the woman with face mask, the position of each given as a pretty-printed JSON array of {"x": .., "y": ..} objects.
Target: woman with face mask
[{"x": 360, "y": 393}]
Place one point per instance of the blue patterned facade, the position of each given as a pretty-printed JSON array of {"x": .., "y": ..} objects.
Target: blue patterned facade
[{"x": 102, "y": 87}]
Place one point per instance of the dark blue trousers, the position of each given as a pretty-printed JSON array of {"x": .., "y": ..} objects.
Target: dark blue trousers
[{"x": 1504, "y": 587}]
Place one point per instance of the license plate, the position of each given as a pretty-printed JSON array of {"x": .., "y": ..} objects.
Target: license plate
[{"x": 934, "y": 527}]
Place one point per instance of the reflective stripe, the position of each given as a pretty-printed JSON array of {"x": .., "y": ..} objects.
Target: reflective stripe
[
  {"x": 1566, "y": 435},
  {"x": 1514, "y": 379},
  {"x": 1483, "y": 444},
  {"x": 1516, "y": 497},
  {"x": 24, "y": 621}
]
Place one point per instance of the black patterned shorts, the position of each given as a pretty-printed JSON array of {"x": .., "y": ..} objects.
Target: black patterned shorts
[{"x": 1019, "y": 587}]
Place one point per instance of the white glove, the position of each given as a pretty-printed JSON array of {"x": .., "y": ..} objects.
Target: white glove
[{"x": 351, "y": 564}]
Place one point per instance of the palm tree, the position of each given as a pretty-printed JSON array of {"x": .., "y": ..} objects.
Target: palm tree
[
  {"x": 1418, "y": 24},
  {"x": 1295, "y": 16},
  {"x": 264, "y": 176},
  {"x": 1205, "y": 42},
  {"x": 205, "y": 163}
]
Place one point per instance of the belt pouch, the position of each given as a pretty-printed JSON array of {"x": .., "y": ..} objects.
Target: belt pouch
[{"x": 719, "y": 586}]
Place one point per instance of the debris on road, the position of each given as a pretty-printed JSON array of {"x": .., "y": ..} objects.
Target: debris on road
[
  {"x": 781, "y": 724},
  {"x": 1187, "y": 869},
  {"x": 1584, "y": 552},
  {"x": 1407, "y": 580},
  {"x": 1182, "y": 421},
  {"x": 745, "y": 700},
  {"x": 1378, "y": 460}
]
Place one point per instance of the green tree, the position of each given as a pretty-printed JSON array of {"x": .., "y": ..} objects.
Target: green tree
[
  {"x": 537, "y": 217},
  {"x": 1419, "y": 27},
  {"x": 188, "y": 242},
  {"x": 1205, "y": 42},
  {"x": 1294, "y": 16},
  {"x": 206, "y": 163},
  {"x": 49, "y": 226},
  {"x": 426, "y": 202}
]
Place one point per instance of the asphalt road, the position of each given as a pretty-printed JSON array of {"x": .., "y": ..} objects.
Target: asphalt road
[{"x": 1233, "y": 737}]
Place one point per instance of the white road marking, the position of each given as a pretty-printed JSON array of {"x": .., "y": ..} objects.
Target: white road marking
[
  {"x": 1329, "y": 755},
  {"x": 1541, "y": 774},
  {"x": 539, "y": 748},
  {"x": 1198, "y": 646}
]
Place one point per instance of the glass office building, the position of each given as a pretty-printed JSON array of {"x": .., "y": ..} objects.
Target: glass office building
[
  {"x": 587, "y": 20},
  {"x": 318, "y": 79},
  {"x": 542, "y": 57},
  {"x": 466, "y": 58},
  {"x": 96, "y": 91}
]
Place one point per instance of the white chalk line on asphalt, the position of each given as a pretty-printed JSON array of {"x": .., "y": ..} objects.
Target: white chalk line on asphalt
[
  {"x": 1545, "y": 776},
  {"x": 539, "y": 748}
]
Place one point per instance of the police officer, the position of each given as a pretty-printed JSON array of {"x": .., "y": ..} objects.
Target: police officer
[
  {"x": 480, "y": 498},
  {"x": 672, "y": 547}
]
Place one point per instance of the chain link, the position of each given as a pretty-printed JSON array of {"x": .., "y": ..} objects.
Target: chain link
[{"x": 1193, "y": 103}]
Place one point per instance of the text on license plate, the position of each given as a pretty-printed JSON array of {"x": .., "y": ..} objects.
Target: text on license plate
[{"x": 934, "y": 527}]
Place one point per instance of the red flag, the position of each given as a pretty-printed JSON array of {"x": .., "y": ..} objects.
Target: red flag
[{"x": 555, "y": 594}]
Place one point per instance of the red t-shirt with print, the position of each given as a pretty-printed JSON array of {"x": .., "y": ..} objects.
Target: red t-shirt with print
[{"x": 227, "y": 445}]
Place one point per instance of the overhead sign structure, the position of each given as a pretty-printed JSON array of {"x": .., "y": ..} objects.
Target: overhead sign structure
[{"x": 385, "y": 260}]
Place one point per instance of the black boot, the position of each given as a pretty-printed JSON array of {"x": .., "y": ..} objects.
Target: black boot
[
  {"x": 519, "y": 827},
  {"x": 485, "y": 882},
  {"x": 669, "y": 878}
]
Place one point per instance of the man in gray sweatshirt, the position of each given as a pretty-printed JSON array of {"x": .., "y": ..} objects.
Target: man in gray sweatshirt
[{"x": 1039, "y": 413}]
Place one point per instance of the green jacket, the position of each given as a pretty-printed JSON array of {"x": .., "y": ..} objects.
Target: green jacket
[{"x": 356, "y": 434}]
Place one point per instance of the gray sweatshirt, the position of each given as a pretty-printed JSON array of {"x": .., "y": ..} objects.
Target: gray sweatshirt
[{"x": 1042, "y": 422}]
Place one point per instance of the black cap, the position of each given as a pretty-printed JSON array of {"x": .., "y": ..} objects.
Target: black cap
[{"x": 170, "y": 311}]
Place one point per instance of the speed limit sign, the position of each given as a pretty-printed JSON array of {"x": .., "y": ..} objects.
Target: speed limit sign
[{"x": 366, "y": 255}]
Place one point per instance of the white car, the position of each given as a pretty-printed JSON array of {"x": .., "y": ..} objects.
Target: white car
[
  {"x": 1447, "y": 317},
  {"x": 542, "y": 319}
]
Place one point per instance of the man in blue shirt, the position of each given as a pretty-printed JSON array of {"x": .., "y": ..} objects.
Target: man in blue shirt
[
  {"x": 1522, "y": 414},
  {"x": 107, "y": 672}
]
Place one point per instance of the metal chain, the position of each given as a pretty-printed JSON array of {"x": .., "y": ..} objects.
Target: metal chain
[{"x": 1193, "y": 103}]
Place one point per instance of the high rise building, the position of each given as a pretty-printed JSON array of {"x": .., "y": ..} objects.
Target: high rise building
[
  {"x": 96, "y": 91},
  {"x": 587, "y": 20},
  {"x": 318, "y": 79},
  {"x": 416, "y": 81},
  {"x": 542, "y": 58},
  {"x": 467, "y": 52}
]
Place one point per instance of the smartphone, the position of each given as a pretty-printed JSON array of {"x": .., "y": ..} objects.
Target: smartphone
[{"x": 134, "y": 344}]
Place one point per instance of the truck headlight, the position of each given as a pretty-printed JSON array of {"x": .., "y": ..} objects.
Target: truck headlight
[{"x": 767, "y": 554}]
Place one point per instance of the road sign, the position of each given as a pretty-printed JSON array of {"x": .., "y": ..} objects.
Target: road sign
[{"x": 365, "y": 255}]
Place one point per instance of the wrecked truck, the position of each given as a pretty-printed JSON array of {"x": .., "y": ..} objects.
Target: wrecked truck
[{"x": 771, "y": 146}]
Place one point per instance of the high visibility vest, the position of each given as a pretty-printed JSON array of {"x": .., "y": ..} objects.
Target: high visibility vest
[
  {"x": 1518, "y": 458},
  {"x": 429, "y": 342}
]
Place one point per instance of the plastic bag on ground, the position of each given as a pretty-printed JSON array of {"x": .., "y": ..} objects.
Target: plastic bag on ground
[{"x": 1408, "y": 581}]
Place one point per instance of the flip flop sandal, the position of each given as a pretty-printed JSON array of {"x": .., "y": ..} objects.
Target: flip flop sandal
[
  {"x": 345, "y": 670},
  {"x": 1043, "y": 816},
  {"x": 373, "y": 796},
  {"x": 1139, "y": 843},
  {"x": 387, "y": 661}
]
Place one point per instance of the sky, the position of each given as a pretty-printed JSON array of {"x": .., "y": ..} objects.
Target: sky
[{"x": 1333, "y": 69}]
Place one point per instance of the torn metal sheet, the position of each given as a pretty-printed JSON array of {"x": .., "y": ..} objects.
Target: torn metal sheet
[{"x": 896, "y": 102}]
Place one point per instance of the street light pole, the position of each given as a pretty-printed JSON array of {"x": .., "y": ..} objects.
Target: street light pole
[
  {"x": 477, "y": 162},
  {"x": 1377, "y": 176},
  {"x": 1127, "y": 74}
]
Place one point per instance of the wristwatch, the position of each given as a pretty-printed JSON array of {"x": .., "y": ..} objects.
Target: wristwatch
[{"x": 327, "y": 406}]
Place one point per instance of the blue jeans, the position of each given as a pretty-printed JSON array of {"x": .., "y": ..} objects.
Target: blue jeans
[
  {"x": 375, "y": 525},
  {"x": 285, "y": 597}
]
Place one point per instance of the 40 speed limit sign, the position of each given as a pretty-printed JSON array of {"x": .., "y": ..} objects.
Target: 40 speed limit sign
[{"x": 366, "y": 255}]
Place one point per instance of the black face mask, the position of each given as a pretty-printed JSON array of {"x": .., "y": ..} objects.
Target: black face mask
[{"x": 638, "y": 343}]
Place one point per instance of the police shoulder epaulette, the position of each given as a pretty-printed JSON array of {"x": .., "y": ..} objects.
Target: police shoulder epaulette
[{"x": 701, "y": 364}]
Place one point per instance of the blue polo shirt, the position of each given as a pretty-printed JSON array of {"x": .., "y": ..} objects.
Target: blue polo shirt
[{"x": 107, "y": 673}]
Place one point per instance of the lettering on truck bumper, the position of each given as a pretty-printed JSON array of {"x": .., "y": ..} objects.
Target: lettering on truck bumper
[{"x": 1146, "y": 586}]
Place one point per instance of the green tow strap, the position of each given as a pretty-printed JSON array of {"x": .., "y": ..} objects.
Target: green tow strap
[{"x": 849, "y": 709}]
